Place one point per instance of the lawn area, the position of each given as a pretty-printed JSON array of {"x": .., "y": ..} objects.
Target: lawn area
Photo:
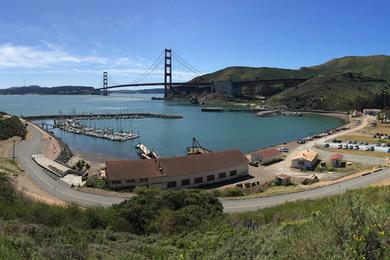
[
  {"x": 380, "y": 128},
  {"x": 354, "y": 167},
  {"x": 7, "y": 166},
  {"x": 359, "y": 152},
  {"x": 362, "y": 138}
]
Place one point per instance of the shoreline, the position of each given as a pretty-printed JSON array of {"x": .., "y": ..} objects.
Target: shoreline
[{"x": 101, "y": 158}]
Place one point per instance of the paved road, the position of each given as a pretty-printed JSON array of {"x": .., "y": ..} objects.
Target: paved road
[
  {"x": 63, "y": 191},
  {"x": 258, "y": 203},
  {"x": 55, "y": 188}
]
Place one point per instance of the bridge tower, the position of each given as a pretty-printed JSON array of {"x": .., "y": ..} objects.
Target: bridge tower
[
  {"x": 105, "y": 83},
  {"x": 167, "y": 71}
]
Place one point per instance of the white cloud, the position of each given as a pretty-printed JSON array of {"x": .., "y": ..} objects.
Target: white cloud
[
  {"x": 12, "y": 56},
  {"x": 53, "y": 59}
]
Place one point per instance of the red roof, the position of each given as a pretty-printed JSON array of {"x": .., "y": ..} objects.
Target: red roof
[
  {"x": 336, "y": 156},
  {"x": 269, "y": 153},
  {"x": 175, "y": 166},
  {"x": 283, "y": 176}
]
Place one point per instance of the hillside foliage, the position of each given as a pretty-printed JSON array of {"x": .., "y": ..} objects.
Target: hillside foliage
[
  {"x": 190, "y": 225},
  {"x": 11, "y": 126},
  {"x": 341, "y": 84}
]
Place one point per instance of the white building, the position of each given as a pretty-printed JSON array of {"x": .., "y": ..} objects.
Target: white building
[
  {"x": 266, "y": 156},
  {"x": 305, "y": 159},
  {"x": 177, "y": 172}
]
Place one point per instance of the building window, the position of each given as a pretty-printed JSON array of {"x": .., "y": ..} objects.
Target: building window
[
  {"x": 198, "y": 180},
  {"x": 210, "y": 178},
  {"x": 143, "y": 180},
  {"x": 185, "y": 182},
  {"x": 222, "y": 175},
  {"x": 171, "y": 184},
  {"x": 130, "y": 181},
  {"x": 233, "y": 173},
  {"x": 116, "y": 182}
]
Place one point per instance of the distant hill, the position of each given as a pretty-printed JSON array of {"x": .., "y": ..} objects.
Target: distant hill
[
  {"x": 60, "y": 90},
  {"x": 252, "y": 73},
  {"x": 351, "y": 82}
]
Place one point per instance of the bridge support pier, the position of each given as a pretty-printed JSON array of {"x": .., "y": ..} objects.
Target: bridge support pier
[
  {"x": 105, "y": 83},
  {"x": 167, "y": 72}
]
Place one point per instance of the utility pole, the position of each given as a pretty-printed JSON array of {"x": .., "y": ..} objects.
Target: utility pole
[{"x": 13, "y": 152}]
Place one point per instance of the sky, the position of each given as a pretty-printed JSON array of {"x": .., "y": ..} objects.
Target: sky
[{"x": 51, "y": 43}]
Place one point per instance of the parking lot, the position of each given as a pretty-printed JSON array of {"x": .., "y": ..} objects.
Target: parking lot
[{"x": 355, "y": 145}]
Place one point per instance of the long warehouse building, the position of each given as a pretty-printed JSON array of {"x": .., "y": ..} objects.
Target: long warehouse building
[{"x": 177, "y": 172}]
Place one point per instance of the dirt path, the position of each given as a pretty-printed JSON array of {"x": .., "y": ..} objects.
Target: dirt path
[{"x": 30, "y": 189}]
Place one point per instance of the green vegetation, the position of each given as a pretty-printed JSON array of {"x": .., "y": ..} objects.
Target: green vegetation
[
  {"x": 189, "y": 224},
  {"x": 11, "y": 126},
  {"x": 341, "y": 92},
  {"x": 340, "y": 84}
]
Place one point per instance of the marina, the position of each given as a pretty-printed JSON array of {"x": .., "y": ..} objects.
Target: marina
[{"x": 75, "y": 126}]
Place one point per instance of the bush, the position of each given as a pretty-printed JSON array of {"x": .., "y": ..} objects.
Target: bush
[
  {"x": 153, "y": 210},
  {"x": 10, "y": 127}
]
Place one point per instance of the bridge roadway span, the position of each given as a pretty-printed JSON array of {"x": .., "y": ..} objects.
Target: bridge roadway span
[{"x": 58, "y": 189}]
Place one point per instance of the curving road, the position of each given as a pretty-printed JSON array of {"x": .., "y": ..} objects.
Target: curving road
[{"x": 58, "y": 189}]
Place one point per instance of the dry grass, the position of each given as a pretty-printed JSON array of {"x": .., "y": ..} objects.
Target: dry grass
[
  {"x": 361, "y": 138},
  {"x": 381, "y": 128},
  {"x": 359, "y": 152}
]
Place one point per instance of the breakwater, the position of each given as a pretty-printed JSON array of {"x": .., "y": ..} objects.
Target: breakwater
[{"x": 104, "y": 116}]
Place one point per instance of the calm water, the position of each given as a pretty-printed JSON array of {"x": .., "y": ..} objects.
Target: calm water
[{"x": 169, "y": 137}]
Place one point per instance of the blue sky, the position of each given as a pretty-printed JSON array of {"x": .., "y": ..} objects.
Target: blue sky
[{"x": 72, "y": 42}]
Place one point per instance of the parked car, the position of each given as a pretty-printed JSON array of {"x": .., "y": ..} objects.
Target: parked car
[
  {"x": 339, "y": 146},
  {"x": 367, "y": 148},
  {"x": 255, "y": 164},
  {"x": 356, "y": 147},
  {"x": 345, "y": 146},
  {"x": 283, "y": 149},
  {"x": 372, "y": 148}
]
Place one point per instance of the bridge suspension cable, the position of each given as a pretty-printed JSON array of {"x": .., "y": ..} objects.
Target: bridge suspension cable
[
  {"x": 186, "y": 64},
  {"x": 152, "y": 68}
]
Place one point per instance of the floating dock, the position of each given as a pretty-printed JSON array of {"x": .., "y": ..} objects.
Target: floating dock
[
  {"x": 212, "y": 109},
  {"x": 103, "y": 116},
  {"x": 74, "y": 126}
]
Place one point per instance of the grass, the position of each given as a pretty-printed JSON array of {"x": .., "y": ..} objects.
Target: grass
[
  {"x": 359, "y": 152},
  {"x": 189, "y": 225},
  {"x": 362, "y": 138},
  {"x": 380, "y": 128},
  {"x": 7, "y": 166},
  {"x": 11, "y": 126}
]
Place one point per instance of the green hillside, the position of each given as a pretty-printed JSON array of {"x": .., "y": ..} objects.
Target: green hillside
[
  {"x": 251, "y": 73},
  {"x": 377, "y": 66},
  {"x": 341, "y": 92},
  {"x": 190, "y": 225},
  {"x": 347, "y": 83},
  {"x": 11, "y": 126}
]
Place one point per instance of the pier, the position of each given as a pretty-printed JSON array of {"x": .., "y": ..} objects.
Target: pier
[
  {"x": 99, "y": 116},
  {"x": 75, "y": 126}
]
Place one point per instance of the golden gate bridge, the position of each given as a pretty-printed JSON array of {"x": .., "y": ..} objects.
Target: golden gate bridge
[{"x": 166, "y": 57}]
